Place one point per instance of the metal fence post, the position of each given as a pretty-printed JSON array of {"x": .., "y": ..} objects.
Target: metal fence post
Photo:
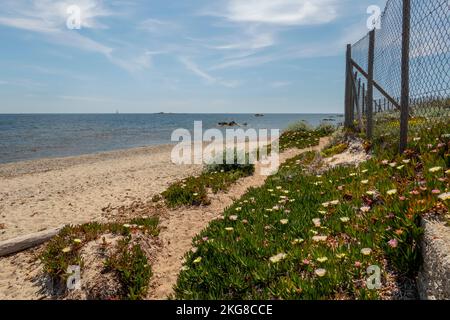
[
  {"x": 348, "y": 90},
  {"x": 405, "y": 75},
  {"x": 370, "y": 72}
]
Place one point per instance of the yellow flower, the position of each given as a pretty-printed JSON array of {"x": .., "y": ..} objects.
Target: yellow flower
[
  {"x": 66, "y": 250},
  {"x": 340, "y": 255},
  {"x": 400, "y": 167},
  {"x": 229, "y": 229},
  {"x": 365, "y": 182},
  {"x": 320, "y": 272},
  {"x": 447, "y": 172},
  {"x": 77, "y": 241},
  {"x": 198, "y": 260},
  {"x": 297, "y": 241},
  {"x": 435, "y": 169},
  {"x": 284, "y": 221},
  {"x": 277, "y": 258},
  {"x": 392, "y": 192},
  {"x": 345, "y": 219},
  {"x": 322, "y": 259},
  {"x": 366, "y": 251}
]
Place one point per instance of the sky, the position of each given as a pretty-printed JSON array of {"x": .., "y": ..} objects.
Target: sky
[{"x": 183, "y": 56}]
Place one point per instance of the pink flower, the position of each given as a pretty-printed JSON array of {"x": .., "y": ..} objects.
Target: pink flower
[
  {"x": 393, "y": 243},
  {"x": 306, "y": 261},
  {"x": 415, "y": 192},
  {"x": 436, "y": 191},
  {"x": 358, "y": 264},
  {"x": 402, "y": 198}
]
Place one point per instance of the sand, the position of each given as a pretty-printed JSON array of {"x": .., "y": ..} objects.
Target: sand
[
  {"x": 38, "y": 195},
  {"x": 42, "y": 194}
]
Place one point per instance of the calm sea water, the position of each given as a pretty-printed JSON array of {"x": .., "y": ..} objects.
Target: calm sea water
[{"x": 34, "y": 136}]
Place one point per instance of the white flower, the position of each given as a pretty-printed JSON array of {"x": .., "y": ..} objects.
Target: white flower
[
  {"x": 406, "y": 161},
  {"x": 284, "y": 221},
  {"x": 365, "y": 209},
  {"x": 334, "y": 202},
  {"x": 319, "y": 238},
  {"x": 435, "y": 169},
  {"x": 366, "y": 251},
  {"x": 233, "y": 218},
  {"x": 320, "y": 272},
  {"x": 195, "y": 194},
  {"x": 316, "y": 222},
  {"x": 444, "y": 196},
  {"x": 277, "y": 258},
  {"x": 365, "y": 181},
  {"x": 66, "y": 250}
]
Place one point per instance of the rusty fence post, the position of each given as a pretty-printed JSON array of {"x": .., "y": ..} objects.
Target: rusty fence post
[
  {"x": 370, "y": 72},
  {"x": 404, "y": 101}
]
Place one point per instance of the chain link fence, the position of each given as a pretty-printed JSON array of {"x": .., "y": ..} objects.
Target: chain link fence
[{"x": 398, "y": 77}]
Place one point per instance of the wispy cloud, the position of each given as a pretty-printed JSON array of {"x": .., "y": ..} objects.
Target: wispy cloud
[
  {"x": 194, "y": 68},
  {"x": 279, "y": 12},
  {"x": 49, "y": 18},
  {"x": 157, "y": 26}
]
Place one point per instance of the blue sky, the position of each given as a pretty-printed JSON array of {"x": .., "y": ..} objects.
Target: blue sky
[{"x": 139, "y": 56}]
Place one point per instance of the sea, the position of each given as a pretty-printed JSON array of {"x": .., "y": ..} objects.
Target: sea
[{"x": 35, "y": 136}]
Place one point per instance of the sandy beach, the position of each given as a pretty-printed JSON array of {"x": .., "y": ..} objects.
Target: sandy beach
[{"x": 42, "y": 194}]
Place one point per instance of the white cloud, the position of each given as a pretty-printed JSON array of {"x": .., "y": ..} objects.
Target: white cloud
[
  {"x": 157, "y": 26},
  {"x": 194, "y": 68},
  {"x": 281, "y": 12},
  {"x": 48, "y": 18}
]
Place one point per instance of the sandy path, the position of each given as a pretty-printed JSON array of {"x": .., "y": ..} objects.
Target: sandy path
[
  {"x": 180, "y": 226},
  {"x": 42, "y": 194}
]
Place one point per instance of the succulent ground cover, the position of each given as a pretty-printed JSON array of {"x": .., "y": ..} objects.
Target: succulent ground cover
[
  {"x": 127, "y": 261},
  {"x": 312, "y": 235},
  {"x": 193, "y": 191}
]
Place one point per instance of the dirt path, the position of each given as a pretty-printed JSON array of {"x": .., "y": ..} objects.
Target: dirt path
[{"x": 178, "y": 227}]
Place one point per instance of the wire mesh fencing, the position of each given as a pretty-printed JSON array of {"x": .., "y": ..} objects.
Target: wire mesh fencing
[{"x": 402, "y": 85}]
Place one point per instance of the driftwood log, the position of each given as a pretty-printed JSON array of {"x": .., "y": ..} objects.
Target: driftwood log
[{"x": 21, "y": 243}]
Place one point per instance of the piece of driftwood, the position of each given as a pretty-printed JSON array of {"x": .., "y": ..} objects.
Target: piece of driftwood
[{"x": 27, "y": 241}]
